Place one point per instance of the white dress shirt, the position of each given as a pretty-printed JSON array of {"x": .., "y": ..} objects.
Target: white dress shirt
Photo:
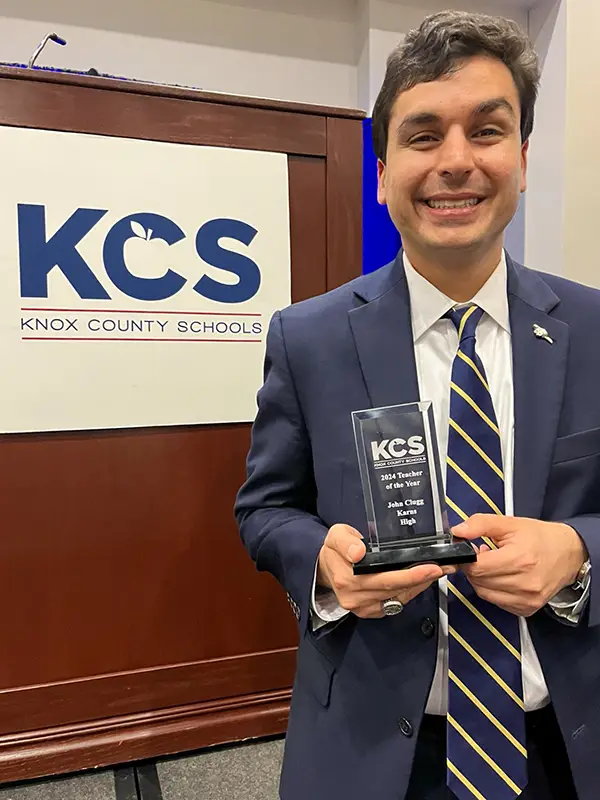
[{"x": 436, "y": 343}]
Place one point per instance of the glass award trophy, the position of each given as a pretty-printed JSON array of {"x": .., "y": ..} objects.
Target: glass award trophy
[{"x": 403, "y": 490}]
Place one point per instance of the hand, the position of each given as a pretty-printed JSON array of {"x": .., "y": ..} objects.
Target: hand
[
  {"x": 363, "y": 594},
  {"x": 533, "y": 562}
]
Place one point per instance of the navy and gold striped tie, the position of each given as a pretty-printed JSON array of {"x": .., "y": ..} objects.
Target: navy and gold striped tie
[{"x": 486, "y": 756}]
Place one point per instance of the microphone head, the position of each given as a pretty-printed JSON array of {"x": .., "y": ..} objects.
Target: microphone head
[{"x": 58, "y": 39}]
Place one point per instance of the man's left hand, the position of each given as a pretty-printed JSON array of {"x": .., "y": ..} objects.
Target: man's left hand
[{"x": 533, "y": 562}]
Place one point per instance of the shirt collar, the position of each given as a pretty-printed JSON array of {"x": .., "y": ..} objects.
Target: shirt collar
[{"x": 428, "y": 304}]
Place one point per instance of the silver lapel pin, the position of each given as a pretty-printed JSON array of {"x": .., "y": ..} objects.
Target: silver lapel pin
[{"x": 541, "y": 333}]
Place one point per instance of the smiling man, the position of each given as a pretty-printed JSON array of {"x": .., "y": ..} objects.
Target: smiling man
[
  {"x": 453, "y": 218},
  {"x": 484, "y": 681}
]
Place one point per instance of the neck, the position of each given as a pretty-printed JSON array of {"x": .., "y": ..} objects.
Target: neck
[{"x": 458, "y": 274}]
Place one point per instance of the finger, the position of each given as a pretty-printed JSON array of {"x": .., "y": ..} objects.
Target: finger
[
  {"x": 370, "y": 611},
  {"x": 346, "y": 542},
  {"x": 373, "y": 609},
  {"x": 512, "y": 580},
  {"x": 501, "y": 583},
  {"x": 410, "y": 594},
  {"x": 362, "y": 598},
  {"x": 394, "y": 582},
  {"x": 509, "y": 601},
  {"x": 496, "y": 526},
  {"x": 365, "y": 605},
  {"x": 356, "y": 552},
  {"x": 530, "y": 588},
  {"x": 502, "y": 561},
  {"x": 334, "y": 569}
]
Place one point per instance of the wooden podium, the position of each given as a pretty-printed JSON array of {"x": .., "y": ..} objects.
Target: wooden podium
[{"x": 120, "y": 641}]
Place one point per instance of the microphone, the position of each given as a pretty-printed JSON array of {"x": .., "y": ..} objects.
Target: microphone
[{"x": 53, "y": 37}]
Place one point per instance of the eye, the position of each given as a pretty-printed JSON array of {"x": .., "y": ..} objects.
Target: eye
[
  {"x": 486, "y": 133},
  {"x": 423, "y": 138}
]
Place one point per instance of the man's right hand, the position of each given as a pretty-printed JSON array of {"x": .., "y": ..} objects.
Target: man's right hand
[{"x": 363, "y": 594}]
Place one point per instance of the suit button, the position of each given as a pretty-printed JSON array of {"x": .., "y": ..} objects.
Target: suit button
[
  {"x": 405, "y": 727},
  {"x": 427, "y": 628}
]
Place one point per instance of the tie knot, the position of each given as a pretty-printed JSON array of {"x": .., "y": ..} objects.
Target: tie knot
[{"x": 466, "y": 319}]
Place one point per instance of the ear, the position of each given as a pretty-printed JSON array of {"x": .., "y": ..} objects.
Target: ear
[
  {"x": 381, "y": 175},
  {"x": 524, "y": 159}
]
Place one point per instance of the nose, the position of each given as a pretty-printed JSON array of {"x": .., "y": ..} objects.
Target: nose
[{"x": 455, "y": 156}]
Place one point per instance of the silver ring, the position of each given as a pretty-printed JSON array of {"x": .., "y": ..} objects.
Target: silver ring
[{"x": 391, "y": 606}]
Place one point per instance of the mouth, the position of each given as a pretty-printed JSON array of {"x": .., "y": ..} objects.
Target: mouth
[
  {"x": 452, "y": 211},
  {"x": 459, "y": 203}
]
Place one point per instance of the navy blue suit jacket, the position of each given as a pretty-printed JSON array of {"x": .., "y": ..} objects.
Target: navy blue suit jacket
[{"x": 361, "y": 687}]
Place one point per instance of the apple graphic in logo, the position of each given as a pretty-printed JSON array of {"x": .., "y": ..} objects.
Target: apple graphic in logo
[
  {"x": 146, "y": 257},
  {"x": 138, "y": 253},
  {"x": 140, "y": 231}
]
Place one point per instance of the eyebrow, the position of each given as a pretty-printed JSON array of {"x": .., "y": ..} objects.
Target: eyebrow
[
  {"x": 495, "y": 104},
  {"x": 485, "y": 107}
]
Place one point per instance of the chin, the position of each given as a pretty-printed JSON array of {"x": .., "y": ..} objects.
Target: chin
[{"x": 455, "y": 242}]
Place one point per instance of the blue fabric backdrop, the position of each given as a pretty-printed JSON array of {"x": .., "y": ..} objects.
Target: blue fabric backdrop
[{"x": 381, "y": 240}]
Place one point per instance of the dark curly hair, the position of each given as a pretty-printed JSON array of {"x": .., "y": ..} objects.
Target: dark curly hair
[{"x": 439, "y": 46}]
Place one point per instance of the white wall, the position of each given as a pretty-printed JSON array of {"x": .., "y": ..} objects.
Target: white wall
[
  {"x": 563, "y": 206},
  {"x": 544, "y": 226},
  {"x": 308, "y": 56},
  {"x": 582, "y": 133},
  {"x": 313, "y": 51}
]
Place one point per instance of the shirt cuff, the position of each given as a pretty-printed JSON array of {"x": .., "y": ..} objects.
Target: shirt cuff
[
  {"x": 570, "y": 603},
  {"x": 324, "y": 605}
]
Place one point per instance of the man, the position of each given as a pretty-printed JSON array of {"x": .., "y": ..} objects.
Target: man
[{"x": 486, "y": 685}]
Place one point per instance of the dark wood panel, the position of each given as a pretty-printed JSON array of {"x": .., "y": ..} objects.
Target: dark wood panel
[
  {"x": 115, "y": 741},
  {"x": 308, "y": 224},
  {"x": 143, "y": 691},
  {"x": 64, "y": 107},
  {"x": 344, "y": 201},
  {"x": 180, "y": 92},
  {"x": 119, "y": 551}
]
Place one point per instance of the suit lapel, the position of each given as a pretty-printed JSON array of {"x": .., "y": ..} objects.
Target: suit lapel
[
  {"x": 382, "y": 331},
  {"x": 539, "y": 369},
  {"x": 381, "y": 326}
]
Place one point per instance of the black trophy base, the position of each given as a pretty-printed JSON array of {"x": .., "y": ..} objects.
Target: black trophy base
[{"x": 442, "y": 553}]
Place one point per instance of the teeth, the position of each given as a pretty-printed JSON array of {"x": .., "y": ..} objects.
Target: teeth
[{"x": 453, "y": 203}]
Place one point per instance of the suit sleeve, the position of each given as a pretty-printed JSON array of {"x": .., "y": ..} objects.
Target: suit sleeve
[
  {"x": 276, "y": 507},
  {"x": 588, "y": 527}
]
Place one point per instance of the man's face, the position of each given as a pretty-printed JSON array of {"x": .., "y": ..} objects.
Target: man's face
[{"x": 455, "y": 165}]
